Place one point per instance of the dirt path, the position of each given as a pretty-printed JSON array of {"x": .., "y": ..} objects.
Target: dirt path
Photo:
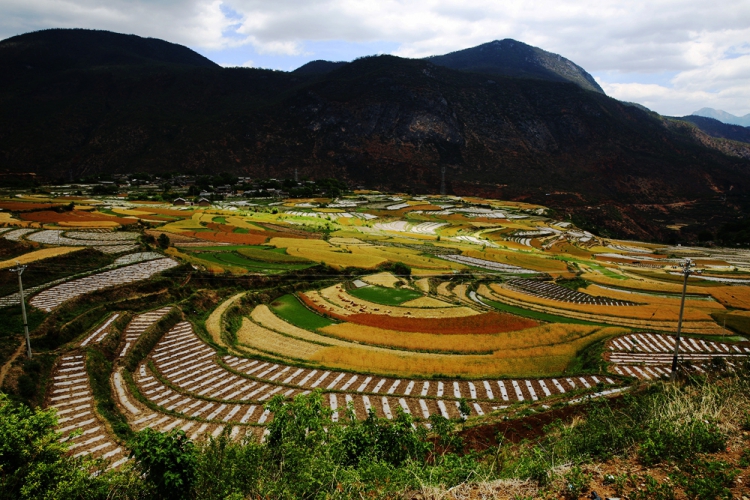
[{"x": 6, "y": 366}]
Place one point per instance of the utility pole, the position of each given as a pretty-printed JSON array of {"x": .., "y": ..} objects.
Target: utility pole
[
  {"x": 686, "y": 270},
  {"x": 19, "y": 269},
  {"x": 442, "y": 180}
]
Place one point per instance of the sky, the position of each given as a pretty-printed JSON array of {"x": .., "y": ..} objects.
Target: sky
[{"x": 673, "y": 56}]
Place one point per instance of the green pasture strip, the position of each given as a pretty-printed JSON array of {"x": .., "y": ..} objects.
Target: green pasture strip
[
  {"x": 219, "y": 220},
  {"x": 270, "y": 256},
  {"x": 291, "y": 310},
  {"x": 550, "y": 318},
  {"x": 606, "y": 272},
  {"x": 241, "y": 230},
  {"x": 233, "y": 259},
  {"x": 385, "y": 296}
]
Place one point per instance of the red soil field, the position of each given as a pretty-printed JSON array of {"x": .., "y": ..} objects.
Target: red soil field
[{"x": 481, "y": 324}]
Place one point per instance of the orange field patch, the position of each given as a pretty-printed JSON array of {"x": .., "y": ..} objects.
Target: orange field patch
[
  {"x": 20, "y": 206},
  {"x": 732, "y": 296},
  {"x": 48, "y": 216}
]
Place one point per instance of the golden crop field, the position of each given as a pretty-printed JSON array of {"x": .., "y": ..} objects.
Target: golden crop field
[
  {"x": 382, "y": 279},
  {"x": 598, "y": 291},
  {"x": 732, "y": 296},
  {"x": 263, "y": 339},
  {"x": 214, "y": 321},
  {"x": 38, "y": 255},
  {"x": 544, "y": 335},
  {"x": 426, "y": 302},
  {"x": 638, "y": 283},
  {"x": 534, "y": 361}
]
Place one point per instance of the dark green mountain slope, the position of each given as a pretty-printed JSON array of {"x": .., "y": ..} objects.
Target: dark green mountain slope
[
  {"x": 513, "y": 58},
  {"x": 382, "y": 122}
]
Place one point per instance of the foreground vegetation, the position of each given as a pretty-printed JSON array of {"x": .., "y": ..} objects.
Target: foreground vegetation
[{"x": 687, "y": 440}]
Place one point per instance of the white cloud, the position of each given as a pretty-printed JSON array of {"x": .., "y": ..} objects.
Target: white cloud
[{"x": 704, "y": 44}]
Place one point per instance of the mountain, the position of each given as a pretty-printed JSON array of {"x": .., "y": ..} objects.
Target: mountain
[
  {"x": 724, "y": 117},
  {"x": 65, "y": 49},
  {"x": 716, "y": 128},
  {"x": 318, "y": 67},
  {"x": 513, "y": 58},
  {"x": 382, "y": 122}
]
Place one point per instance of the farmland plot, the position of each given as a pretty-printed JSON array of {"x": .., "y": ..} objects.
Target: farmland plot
[
  {"x": 71, "y": 395},
  {"x": 53, "y": 297},
  {"x": 649, "y": 355}
]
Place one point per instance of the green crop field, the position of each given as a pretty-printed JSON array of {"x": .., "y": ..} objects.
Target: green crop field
[
  {"x": 291, "y": 310},
  {"x": 385, "y": 296}
]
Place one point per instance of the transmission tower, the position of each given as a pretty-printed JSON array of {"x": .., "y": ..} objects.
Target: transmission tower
[
  {"x": 295, "y": 176},
  {"x": 442, "y": 181},
  {"x": 19, "y": 269}
]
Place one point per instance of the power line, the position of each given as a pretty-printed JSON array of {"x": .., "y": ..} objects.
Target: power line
[{"x": 20, "y": 269}]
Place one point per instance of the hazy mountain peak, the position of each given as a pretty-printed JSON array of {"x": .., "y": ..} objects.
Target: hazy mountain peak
[
  {"x": 723, "y": 116},
  {"x": 510, "y": 57}
]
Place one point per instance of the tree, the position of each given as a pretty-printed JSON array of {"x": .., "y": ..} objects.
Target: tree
[
  {"x": 401, "y": 269},
  {"x": 167, "y": 460},
  {"x": 163, "y": 240}
]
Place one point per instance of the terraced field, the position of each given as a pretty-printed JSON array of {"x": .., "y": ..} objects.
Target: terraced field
[{"x": 383, "y": 303}]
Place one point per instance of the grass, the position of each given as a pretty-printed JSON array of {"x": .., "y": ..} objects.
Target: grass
[
  {"x": 384, "y": 295},
  {"x": 265, "y": 254},
  {"x": 738, "y": 322},
  {"x": 290, "y": 309}
]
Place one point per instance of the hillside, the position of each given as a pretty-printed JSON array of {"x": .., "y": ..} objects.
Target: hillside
[{"x": 381, "y": 122}]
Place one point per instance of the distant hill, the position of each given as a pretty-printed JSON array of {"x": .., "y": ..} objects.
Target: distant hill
[
  {"x": 64, "y": 49},
  {"x": 318, "y": 67},
  {"x": 723, "y": 116},
  {"x": 716, "y": 128},
  {"x": 513, "y": 58}
]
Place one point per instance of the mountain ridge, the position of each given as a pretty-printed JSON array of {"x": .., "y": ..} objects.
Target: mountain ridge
[
  {"x": 723, "y": 116},
  {"x": 382, "y": 122}
]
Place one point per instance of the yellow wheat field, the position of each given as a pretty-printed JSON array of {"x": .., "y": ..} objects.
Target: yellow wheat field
[
  {"x": 263, "y": 339},
  {"x": 637, "y": 283},
  {"x": 98, "y": 223},
  {"x": 38, "y": 255},
  {"x": 426, "y": 302},
  {"x": 598, "y": 291},
  {"x": 322, "y": 251},
  {"x": 407, "y": 256},
  {"x": 423, "y": 285},
  {"x": 337, "y": 295},
  {"x": 657, "y": 312},
  {"x": 701, "y": 327},
  {"x": 534, "y": 361},
  {"x": 213, "y": 323},
  {"x": 382, "y": 279},
  {"x": 442, "y": 289},
  {"x": 732, "y": 296},
  {"x": 544, "y": 335},
  {"x": 524, "y": 260}
]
